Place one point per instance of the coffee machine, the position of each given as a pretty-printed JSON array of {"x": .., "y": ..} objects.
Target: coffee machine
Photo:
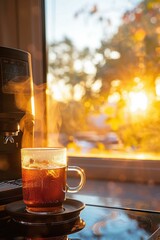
[{"x": 16, "y": 109}]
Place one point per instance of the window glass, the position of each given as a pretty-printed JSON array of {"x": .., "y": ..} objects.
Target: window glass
[{"x": 103, "y": 79}]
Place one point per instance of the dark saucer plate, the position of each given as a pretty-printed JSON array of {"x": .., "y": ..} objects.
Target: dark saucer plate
[
  {"x": 72, "y": 209},
  {"x": 16, "y": 230}
]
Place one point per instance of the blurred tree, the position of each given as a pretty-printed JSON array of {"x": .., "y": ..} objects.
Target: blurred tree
[
  {"x": 137, "y": 44},
  {"x": 130, "y": 58},
  {"x": 137, "y": 47},
  {"x": 72, "y": 79}
]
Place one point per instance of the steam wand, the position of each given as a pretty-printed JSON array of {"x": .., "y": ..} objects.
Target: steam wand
[{"x": 10, "y": 137}]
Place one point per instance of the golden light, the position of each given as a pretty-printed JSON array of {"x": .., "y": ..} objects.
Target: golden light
[
  {"x": 79, "y": 92},
  {"x": 157, "y": 83},
  {"x": 111, "y": 54},
  {"x": 114, "y": 98},
  {"x": 96, "y": 86},
  {"x": 138, "y": 101},
  {"x": 33, "y": 105},
  {"x": 116, "y": 83}
]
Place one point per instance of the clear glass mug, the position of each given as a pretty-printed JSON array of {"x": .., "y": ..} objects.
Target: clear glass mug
[{"x": 44, "y": 179}]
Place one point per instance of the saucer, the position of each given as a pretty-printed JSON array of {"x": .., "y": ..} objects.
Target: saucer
[
  {"x": 16, "y": 230},
  {"x": 72, "y": 209}
]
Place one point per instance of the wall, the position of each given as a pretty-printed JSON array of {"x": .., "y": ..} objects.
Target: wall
[{"x": 22, "y": 26}]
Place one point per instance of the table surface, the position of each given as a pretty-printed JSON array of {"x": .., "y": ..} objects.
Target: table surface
[
  {"x": 101, "y": 223},
  {"x": 118, "y": 224}
]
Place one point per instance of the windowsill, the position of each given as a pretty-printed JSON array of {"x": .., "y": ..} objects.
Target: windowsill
[
  {"x": 113, "y": 154},
  {"x": 117, "y": 169}
]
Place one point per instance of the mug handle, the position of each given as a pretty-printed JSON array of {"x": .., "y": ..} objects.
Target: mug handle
[{"x": 82, "y": 179}]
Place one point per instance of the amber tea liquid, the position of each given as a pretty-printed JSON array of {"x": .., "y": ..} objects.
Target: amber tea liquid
[{"x": 44, "y": 189}]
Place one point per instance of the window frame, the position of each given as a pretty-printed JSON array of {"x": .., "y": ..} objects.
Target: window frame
[{"x": 118, "y": 169}]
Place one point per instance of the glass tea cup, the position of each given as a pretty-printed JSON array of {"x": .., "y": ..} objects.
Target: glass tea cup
[{"x": 44, "y": 179}]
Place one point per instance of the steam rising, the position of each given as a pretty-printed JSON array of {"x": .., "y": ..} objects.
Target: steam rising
[
  {"x": 47, "y": 118},
  {"x": 42, "y": 118}
]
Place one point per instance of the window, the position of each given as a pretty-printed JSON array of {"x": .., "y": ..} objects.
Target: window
[
  {"x": 102, "y": 57},
  {"x": 103, "y": 74}
]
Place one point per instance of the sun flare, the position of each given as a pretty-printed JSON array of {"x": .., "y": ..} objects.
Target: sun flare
[{"x": 138, "y": 101}]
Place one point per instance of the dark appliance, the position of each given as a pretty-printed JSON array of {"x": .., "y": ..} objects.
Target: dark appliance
[{"x": 16, "y": 112}]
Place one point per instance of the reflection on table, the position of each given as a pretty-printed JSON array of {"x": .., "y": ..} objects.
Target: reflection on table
[{"x": 95, "y": 222}]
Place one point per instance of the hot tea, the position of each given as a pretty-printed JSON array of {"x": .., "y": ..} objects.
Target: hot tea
[
  {"x": 44, "y": 188},
  {"x": 44, "y": 179}
]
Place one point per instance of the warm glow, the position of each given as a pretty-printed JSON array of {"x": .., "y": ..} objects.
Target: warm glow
[
  {"x": 138, "y": 101},
  {"x": 60, "y": 91},
  {"x": 96, "y": 86},
  {"x": 78, "y": 65},
  {"x": 89, "y": 67},
  {"x": 116, "y": 83},
  {"x": 157, "y": 82},
  {"x": 114, "y": 98},
  {"x": 79, "y": 91},
  {"x": 33, "y": 105},
  {"x": 112, "y": 54},
  {"x": 84, "y": 66}
]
